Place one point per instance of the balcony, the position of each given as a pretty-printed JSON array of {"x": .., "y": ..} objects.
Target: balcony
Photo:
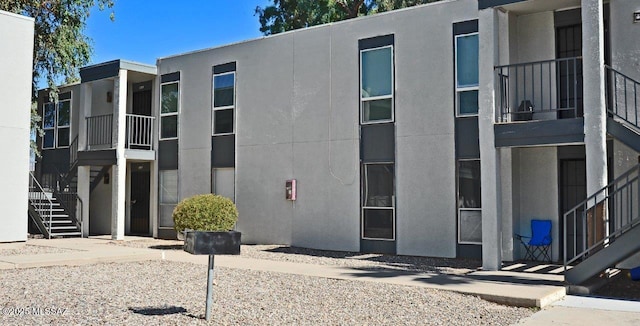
[
  {"x": 101, "y": 143},
  {"x": 138, "y": 135},
  {"x": 542, "y": 90},
  {"x": 539, "y": 103}
]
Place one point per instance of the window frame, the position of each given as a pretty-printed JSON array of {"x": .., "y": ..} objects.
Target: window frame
[
  {"x": 160, "y": 202},
  {"x": 56, "y": 126},
  {"x": 380, "y": 97},
  {"x": 221, "y": 108},
  {"x": 461, "y": 209},
  {"x": 177, "y": 113},
  {"x": 63, "y": 127},
  {"x": 392, "y": 208},
  {"x": 466, "y": 88}
]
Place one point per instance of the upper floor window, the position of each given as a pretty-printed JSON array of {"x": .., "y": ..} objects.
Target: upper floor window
[
  {"x": 466, "y": 52},
  {"x": 170, "y": 97},
  {"x": 223, "y": 103},
  {"x": 56, "y": 124},
  {"x": 376, "y": 82}
]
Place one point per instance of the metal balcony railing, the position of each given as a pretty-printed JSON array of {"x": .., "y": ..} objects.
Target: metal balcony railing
[
  {"x": 541, "y": 90},
  {"x": 138, "y": 135},
  {"x": 100, "y": 131},
  {"x": 139, "y": 132},
  {"x": 623, "y": 96}
]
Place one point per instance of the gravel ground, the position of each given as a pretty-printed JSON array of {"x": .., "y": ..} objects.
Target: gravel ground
[
  {"x": 171, "y": 293},
  {"x": 28, "y": 249},
  {"x": 335, "y": 258}
]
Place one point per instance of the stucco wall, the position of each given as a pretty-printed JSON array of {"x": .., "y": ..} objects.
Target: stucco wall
[
  {"x": 538, "y": 184},
  {"x": 100, "y": 208},
  {"x": 297, "y": 117},
  {"x": 15, "y": 90}
]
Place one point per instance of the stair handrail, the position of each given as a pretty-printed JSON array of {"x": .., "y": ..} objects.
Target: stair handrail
[
  {"x": 601, "y": 197},
  {"x": 613, "y": 76},
  {"x": 35, "y": 185},
  {"x": 70, "y": 209}
]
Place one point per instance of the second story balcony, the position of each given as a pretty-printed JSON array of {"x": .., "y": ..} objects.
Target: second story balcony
[
  {"x": 542, "y": 90},
  {"x": 138, "y": 132}
]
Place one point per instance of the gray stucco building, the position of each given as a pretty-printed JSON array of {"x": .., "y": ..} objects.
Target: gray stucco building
[
  {"x": 439, "y": 130},
  {"x": 16, "y": 55}
]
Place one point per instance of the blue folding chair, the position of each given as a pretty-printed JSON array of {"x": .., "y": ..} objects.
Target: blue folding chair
[{"x": 539, "y": 244}]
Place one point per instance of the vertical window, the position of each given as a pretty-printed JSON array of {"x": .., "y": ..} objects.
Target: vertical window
[
  {"x": 170, "y": 102},
  {"x": 378, "y": 207},
  {"x": 223, "y": 103},
  {"x": 168, "y": 196},
  {"x": 376, "y": 80},
  {"x": 56, "y": 124},
  {"x": 64, "y": 121},
  {"x": 49, "y": 125},
  {"x": 466, "y": 52},
  {"x": 469, "y": 202}
]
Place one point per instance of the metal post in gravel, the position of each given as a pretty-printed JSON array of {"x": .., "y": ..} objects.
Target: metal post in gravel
[{"x": 209, "y": 289}]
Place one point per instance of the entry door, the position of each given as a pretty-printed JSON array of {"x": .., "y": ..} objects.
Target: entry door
[
  {"x": 140, "y": 185},
  {"x": 142, "y": 103},
  {"x": 573, "y": 190},
  {"x": 569, "y": 45}
]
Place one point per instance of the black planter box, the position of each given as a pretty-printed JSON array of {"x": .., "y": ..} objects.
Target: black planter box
[{"x": 212, "y": 243}]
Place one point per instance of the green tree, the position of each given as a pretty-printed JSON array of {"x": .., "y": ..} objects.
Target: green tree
[
  {"x": 286, "y": 15},
  {"x": 60, "y": 45}
]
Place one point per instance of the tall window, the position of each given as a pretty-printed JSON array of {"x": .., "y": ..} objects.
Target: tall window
[
  {"x": 469, "y": 202},
  {"x": 223, "y": 103},
  {"x": 168, "y": 196},
  {"x": 378, "y": 202},
  {"x": 376, "y": 82},
  {"x": 56, "y": 124},
  {"x": 467, "y": 74},
  {"x": 170, "y": 97}
]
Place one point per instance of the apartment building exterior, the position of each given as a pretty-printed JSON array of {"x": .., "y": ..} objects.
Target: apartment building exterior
[{"x": 439, "y": 130}]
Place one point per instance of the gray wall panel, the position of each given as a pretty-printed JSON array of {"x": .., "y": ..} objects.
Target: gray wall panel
[
  {"x": 378, "y": 143},
  {"x": 168, "y": 154},
  {"x": 223, "y": 151}
]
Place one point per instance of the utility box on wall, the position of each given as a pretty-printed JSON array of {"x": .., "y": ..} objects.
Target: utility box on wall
[{"x": 290, "y": 189}]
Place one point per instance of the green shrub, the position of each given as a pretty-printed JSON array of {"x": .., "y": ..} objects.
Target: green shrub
[{"x": 207, "y": 212}]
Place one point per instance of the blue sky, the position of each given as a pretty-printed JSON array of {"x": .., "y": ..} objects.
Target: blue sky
[{"x": 146, "y": 30}]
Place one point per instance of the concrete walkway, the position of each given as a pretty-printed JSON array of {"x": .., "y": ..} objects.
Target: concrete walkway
[{"x": 575, "y": 310}]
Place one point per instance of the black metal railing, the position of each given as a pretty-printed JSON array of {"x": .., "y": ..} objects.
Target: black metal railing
[
  {"x": 541, "y": 90},
  {"x": 603, "y": 216},
  {"x": 623, "y": 96},
  {"x": 42, "y": 204},
  {"x": 100, "y": 131},
  {"x": 73, "y": 153}
]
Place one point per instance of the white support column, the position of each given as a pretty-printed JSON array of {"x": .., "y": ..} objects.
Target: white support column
[
  {"x": 489, "y": 156},
  {"x": 86, "y": 92},
  {"x": 595, "y": 119},
  {"x": 119, "y": 185},
  {"x": 84, "y": 185}
]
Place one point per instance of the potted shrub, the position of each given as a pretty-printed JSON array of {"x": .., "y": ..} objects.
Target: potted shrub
[{"x": 207, "y": 222}]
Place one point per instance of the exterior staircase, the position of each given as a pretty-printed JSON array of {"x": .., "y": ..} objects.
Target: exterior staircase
[
  {"x": 603, "y": 230},
  {"x": 49, "y": 213}
]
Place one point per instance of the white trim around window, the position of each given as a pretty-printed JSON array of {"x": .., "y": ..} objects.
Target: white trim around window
[
  {"x": 462, "y": 88},
  {"x": 222, "y": 108},
  {"x": 55, "y": 129},
  {"x": 365, "y": 99},
  {"x": 169, "y": 114}
]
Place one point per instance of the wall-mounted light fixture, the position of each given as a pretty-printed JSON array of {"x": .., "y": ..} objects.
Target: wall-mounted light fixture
[
  {"x": 109, "y": 97},
  {"x": 636, "y": 17},
  {"x": 106, "y": 178}
]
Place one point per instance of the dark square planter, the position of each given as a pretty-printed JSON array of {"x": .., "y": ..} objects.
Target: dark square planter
[{"x": 212, "y": 243}]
